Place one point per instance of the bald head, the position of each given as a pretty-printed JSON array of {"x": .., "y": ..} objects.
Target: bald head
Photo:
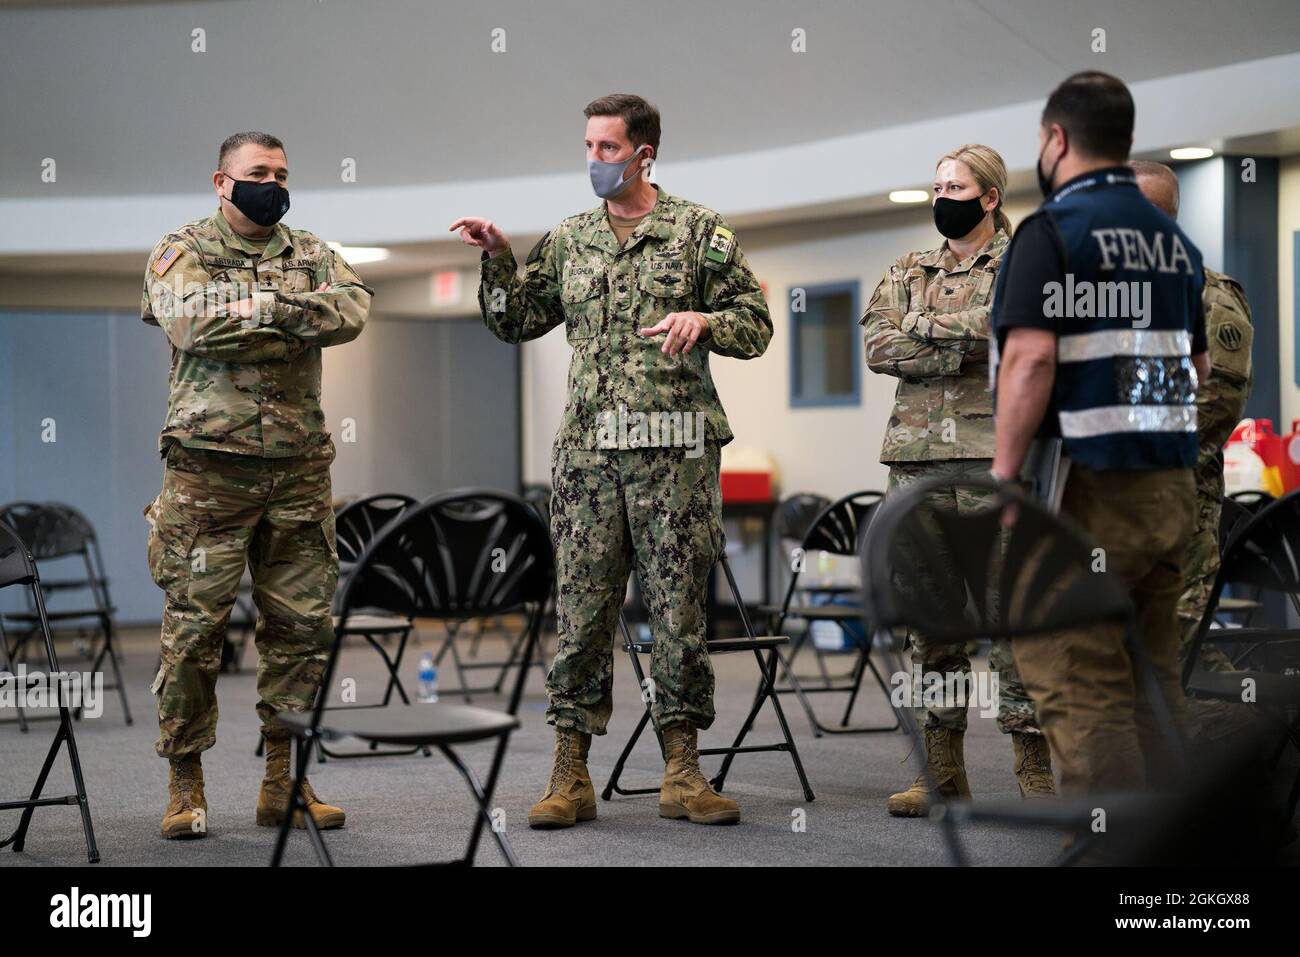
[{"x": 1159, "y": 184}]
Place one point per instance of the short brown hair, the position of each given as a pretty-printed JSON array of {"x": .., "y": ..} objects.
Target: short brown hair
[
  {"x": 236, "y": 140},
  {"x": 639, "y": 115},
  {"x": 1096, "y": 111}
]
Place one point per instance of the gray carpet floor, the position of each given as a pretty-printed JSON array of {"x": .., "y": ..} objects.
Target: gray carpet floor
[{"x": 412, "y": 809}]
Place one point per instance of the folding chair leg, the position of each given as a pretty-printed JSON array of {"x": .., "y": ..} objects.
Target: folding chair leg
[
  {"x": 12, "y": 669},
  {"x": 394, "y": 680},
  {"x": 510, "y": 660},
  {"x": 393, "y": 665},
  {"x": 110, "y": 645},
  {"x": 857, "y": 686},
  {"x": 821, "y": 665},
  {"x": 19, "y": 837},
  {"x": 766, "y": 692},
  {"x": 296, "y": 803},
  {"x": 797, "y": 689},
  {"x": 792, "y": 748},
  {"x": 482, "y": 799},
  {"x": 79, "y": 782},
  {"x": 612, "y": 784}
]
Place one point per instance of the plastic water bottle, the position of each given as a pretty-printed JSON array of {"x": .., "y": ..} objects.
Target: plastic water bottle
[{"x": 428, "y": 690}]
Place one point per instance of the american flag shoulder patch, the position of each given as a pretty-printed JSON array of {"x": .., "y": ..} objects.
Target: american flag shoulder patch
[{"x": 164, "y": 262}]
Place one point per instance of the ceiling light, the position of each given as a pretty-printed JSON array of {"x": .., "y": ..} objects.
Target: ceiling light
[
  {"x": 1191, "y": 153},
  {"x": 360, "y": 254},
  {"x": 909, "y": 196}
]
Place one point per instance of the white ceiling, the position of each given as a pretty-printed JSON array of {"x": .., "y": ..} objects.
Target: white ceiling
[{"x": 411, "y": 91}]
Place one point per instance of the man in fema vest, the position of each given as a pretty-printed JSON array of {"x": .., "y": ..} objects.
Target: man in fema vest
[{"x": 1100, "y": 338}]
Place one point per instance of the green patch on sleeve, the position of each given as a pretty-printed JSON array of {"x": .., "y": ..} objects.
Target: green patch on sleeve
[{"x": 721, "y": 243}]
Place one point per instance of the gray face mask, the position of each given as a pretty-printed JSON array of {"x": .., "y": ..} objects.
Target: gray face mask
[{"x": 607, "y": 178}]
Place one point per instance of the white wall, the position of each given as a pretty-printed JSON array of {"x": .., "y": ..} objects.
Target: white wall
[{"x": 1200, "y": 208}]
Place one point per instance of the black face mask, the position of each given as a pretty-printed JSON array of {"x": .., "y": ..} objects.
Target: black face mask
[
  {"x": 1045, "y": 181},
  {"x": 955, "y": 218},
  {"x": 263, "y": 203}
]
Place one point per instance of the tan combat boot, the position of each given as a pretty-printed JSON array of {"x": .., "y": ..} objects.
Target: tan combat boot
[
  {"x": 1033, "y": 765},
  {"x": 187, "y": 807},
  {"x": 570, "y": 796},
  {"x": 686, "y": 792},
  {"x": 947, "y": 765},
  {"x": 273, "y": 798}
]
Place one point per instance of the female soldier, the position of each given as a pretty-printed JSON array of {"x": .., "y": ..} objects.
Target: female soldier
[{"x": 928, "y": 325}]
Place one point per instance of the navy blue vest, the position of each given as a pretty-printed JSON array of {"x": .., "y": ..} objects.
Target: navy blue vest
[{"x": 1124, "y": 396}]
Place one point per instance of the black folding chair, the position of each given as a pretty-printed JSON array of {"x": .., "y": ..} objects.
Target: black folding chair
[
  {"x": 538, "y": 496},
  {"x": 835, "y": 530},
  {"x": 52, "y": 531},
  {"x": 791, "y": 519},
  {"x": 764, "y": 649},
  {"x": 1235, "y": 511},
  {"x": 464, "y": 554},
  {"x": 1044, "y": 584},
  {"x": 356, "y": 525},
  {"x": 1262, "y": 553},
  {"x": 18, "y": 567}
]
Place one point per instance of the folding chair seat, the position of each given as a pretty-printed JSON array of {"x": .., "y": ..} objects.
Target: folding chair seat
[
  {"x": 1262, "y": 555},
  {"x": 835, "y": 529},
  {"x": 765, "y": 649},
  {"x": 54, "y": 531},
  {"x": 18, "y": 568},
  {"x": 1043, "y": 584},
  {"x": 457, "y": 556}
]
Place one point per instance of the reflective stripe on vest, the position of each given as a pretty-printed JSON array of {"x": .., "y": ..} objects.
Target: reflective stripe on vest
[
  {"x": 1109, "y": 343},
  {"x": 1106, "y": 420}
]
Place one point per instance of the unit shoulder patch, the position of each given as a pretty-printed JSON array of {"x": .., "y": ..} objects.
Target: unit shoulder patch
[
  {"x": 721, "y": 242},
  {"x": 1230, "y": 336}
]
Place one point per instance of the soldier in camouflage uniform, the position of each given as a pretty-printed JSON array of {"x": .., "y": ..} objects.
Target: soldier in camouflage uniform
[
  {"x": 247, "y": 305},
  {"x": 928, "y": 325},
  {"x": 1220, "y": 405},
  {"x": 646, "y": 286}
]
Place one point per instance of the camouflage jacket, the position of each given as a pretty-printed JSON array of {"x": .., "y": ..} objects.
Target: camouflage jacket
[
  {"x": 681, "y": 257},
  {"x": 249, "y": 386},
  {"x": 928, "y": 324},
  {"x": 1221, "y": 402}
]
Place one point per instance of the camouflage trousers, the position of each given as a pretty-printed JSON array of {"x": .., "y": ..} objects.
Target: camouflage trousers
[
  {"x": 661, "y": 510},
  {"x": 1015, "y": 707},
  {"x": 218, "y": 513}
]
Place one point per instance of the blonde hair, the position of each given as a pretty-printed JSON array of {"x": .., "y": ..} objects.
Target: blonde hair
[{"x": 986, "y": 165}]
